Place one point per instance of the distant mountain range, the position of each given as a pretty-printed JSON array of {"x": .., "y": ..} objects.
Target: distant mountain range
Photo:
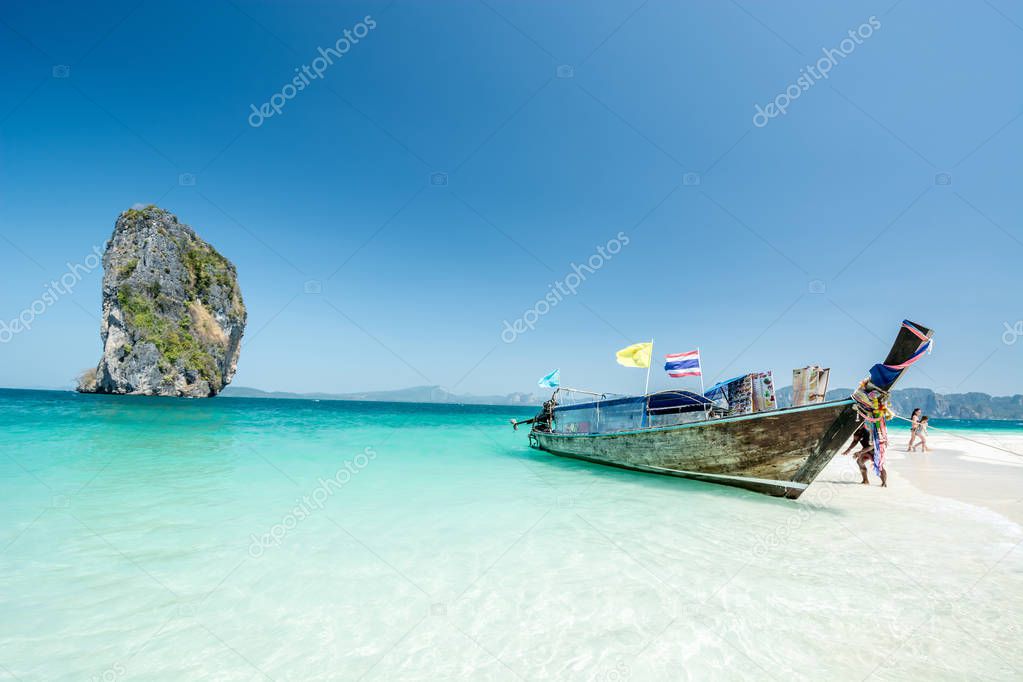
[
  {"x": 904, "y": 401},
  {"x": 950, "y": 406}
]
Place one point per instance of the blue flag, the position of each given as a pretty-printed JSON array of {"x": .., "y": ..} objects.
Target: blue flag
[{"x": 552, "y": 380}]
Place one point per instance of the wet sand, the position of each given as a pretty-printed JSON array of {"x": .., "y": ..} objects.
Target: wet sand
[{"x": 971, "y": 472}]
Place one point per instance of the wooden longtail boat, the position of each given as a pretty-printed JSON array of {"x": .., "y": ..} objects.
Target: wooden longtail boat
[{"x": 778, "y": 452}]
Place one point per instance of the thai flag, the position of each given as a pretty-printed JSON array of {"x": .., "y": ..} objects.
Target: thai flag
[{"x": 679, "y": 365}]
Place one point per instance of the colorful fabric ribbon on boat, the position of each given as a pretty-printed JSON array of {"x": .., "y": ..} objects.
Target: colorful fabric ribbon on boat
[
  {"x": 885, "y": 375},
  {"x": 872, "y": 405}
]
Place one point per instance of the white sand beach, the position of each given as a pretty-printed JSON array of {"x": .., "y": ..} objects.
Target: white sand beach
[{"x": 979, "y": 472}]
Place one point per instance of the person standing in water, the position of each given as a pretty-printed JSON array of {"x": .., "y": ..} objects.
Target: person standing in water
[
  {"x": 865, "y": 454},
  {"x": 914, "y": 428}
]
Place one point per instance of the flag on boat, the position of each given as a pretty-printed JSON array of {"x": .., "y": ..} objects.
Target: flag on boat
[
  {"x": 636, "y": 355},
  {"x": 552, "y": 380},
  {"x": 679, "y": 365}
]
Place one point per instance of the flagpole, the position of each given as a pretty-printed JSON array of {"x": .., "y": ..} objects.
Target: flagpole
[
  {"x": 700, "y": 356},
  {"x": 703, "y": 390},
  {"x": 646, "y": 390}
]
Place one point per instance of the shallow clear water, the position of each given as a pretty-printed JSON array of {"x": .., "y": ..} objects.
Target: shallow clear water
[{"x": 240, "y": 539}]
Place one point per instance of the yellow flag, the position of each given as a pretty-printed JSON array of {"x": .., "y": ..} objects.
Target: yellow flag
[{"x": 636, "y": 355}]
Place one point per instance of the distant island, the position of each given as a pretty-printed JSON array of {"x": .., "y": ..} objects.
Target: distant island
[
  {"x": 172, "y": 311},
  {"x": 904, "y": 401},
  {"x": 948, "y": 406}
]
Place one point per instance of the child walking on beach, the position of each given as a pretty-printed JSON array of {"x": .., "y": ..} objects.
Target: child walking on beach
[
  {"x": 921, "y": 433},
  {"x": 914, "y": 428}
]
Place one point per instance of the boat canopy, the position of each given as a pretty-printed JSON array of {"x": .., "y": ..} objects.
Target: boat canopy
[
  {"x": 677, "y": 401},
  {"x": 632, "y": 412}
]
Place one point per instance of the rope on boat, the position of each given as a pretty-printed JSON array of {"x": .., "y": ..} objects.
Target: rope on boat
[{"x": 956, "y": 435}]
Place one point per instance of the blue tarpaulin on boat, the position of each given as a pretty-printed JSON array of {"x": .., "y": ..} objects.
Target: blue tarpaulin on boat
[
  {"x": 677, "y": 401},
  {"x": 604, "y": 404},
  {"x": 620, "y": 414},
  {"x": 615, "y": 414},
  {"x": 720, "y": 386},
  {"x": 658, "y": 401}
]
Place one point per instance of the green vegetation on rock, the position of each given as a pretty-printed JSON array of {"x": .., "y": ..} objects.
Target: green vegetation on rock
[
  {"x": 125, "y": 271},
  {"x": 175, "y": 342},
  {"x": 136, "y": 213},
  {"x": 206, "y": 266}
]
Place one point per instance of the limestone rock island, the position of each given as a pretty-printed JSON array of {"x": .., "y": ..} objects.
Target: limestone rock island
[{"x": 173, "y": 315}]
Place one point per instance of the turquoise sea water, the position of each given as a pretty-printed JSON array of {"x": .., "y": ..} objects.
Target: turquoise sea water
[
  {"x": 241, "y": 539},
  {"x": 1007, "y": 427}
]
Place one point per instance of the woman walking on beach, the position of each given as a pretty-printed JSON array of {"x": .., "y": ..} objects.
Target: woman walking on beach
[
  {"x": 921, "y": 433},
  {"x": 914, "y": 428}
]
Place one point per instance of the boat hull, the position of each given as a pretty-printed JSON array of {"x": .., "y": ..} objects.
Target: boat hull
[{"x": 778, "y": 452}]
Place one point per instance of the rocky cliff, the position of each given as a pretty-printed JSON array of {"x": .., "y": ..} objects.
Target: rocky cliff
[{"x": 173, "y": 315}]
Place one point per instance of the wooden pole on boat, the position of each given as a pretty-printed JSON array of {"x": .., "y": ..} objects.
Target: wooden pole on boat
[
  {"x": 700, "y": 356},
  {"x": 646, "y": 389},
  {"x": 703, "y": 390}
]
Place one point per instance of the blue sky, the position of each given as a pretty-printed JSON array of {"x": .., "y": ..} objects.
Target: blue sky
[{"x": 889, "y": 189}]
